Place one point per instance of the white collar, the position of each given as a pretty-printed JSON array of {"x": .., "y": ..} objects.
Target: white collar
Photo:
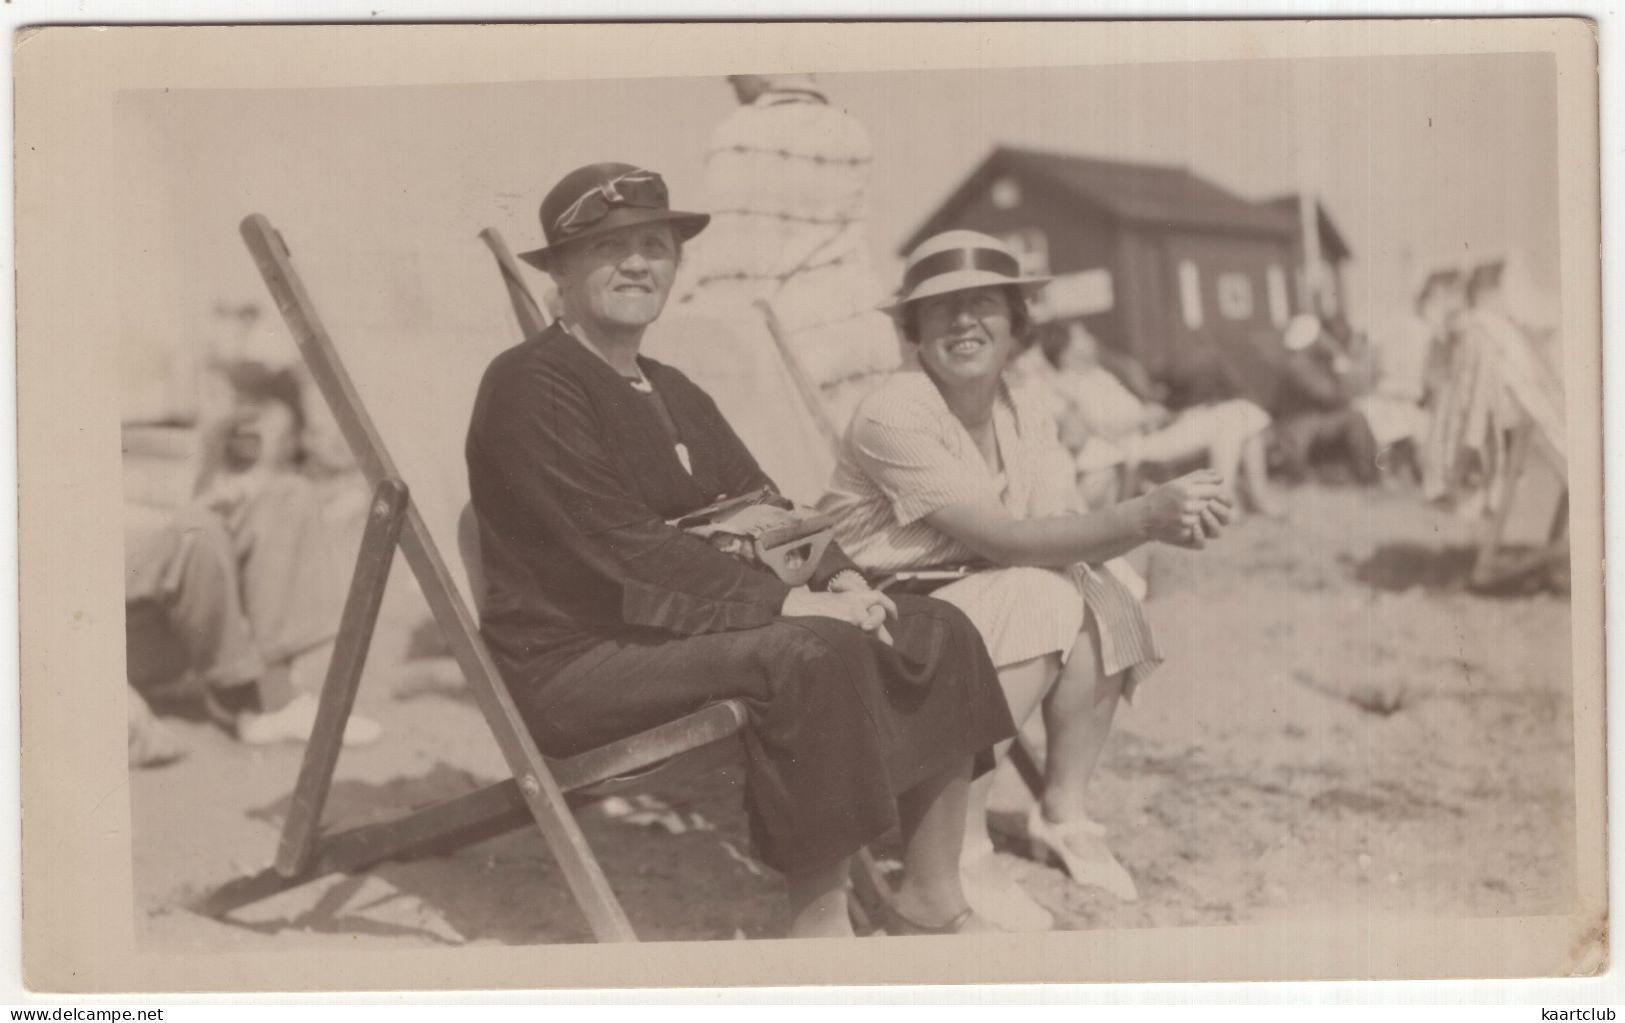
[{"x": 639, "y": 383}]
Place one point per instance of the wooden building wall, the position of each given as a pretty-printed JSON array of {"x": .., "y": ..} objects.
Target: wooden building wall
[
  {"x": 1144, "y": 292},
  {"x": 1249, "y": 344},
  {"x": 1077, "y": 237},
  {"x": 1147, "y": 315}
]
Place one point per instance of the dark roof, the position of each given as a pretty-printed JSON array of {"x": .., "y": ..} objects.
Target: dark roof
[
  {"x": 1330, "y": 237},
  {"x": 1140, "y": 192}
]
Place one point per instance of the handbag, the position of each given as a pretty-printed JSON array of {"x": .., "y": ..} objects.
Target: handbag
[
  {"x": 922, "y": 582},
  {"x": 764, "y": 528}
]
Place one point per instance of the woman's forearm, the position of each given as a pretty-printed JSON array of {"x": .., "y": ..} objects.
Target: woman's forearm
[
  {"x": 1053, "y": 541},
  {"x": 1093, "y": 537}
]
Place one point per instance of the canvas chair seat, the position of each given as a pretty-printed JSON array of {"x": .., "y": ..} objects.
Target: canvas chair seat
[{"x": 709, "y": 724}]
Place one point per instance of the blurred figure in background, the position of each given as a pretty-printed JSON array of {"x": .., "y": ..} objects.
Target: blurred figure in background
[
  {"x": 1496, "y": 374},
  {"x": 236, "y": 588},
  {"x": 1112, "y": 419},
  {"x": 787, "y": 177},
  {"x": 1401, "y": 352},
  {"x": 1314, "y": 413}
]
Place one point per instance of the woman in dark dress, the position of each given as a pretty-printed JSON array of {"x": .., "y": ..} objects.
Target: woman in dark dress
[{"x": 605, "y": 620}]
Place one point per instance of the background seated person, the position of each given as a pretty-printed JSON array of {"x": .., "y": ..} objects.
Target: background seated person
[
  {"x": 1105, "y": 396},
  {"x": 1313, "y": 407},
  {"x": 1402, "y": 350},
  {"x": 236, "y": 587},
  {"x": 606, "y": 620}
]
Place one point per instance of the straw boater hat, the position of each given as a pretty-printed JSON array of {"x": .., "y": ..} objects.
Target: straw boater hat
[
  {"x": 602, "y": 197},
  {"x": 958, "y": 261}
]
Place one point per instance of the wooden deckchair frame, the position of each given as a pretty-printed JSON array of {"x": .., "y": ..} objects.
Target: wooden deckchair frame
[
  {"x": 540, "y": 790},
  {"x": 1494, "y": 566}
]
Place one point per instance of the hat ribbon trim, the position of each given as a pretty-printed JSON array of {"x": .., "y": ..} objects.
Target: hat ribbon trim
[
  {"x": 608, "y": 194},
  {"x": 950, "y": 260}
]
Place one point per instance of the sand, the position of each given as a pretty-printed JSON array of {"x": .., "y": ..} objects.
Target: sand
[{"x": 1340, "y": 727}]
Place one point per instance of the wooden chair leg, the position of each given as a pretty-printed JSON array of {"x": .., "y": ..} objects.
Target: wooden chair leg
[
  {"x": 1029, "y": 765},
  {"x": 1487, "y": 568},
  {"x": 298, "y": 847},
  {"x": 542, "y": 794},
  {"x": 475, "y": 816}
]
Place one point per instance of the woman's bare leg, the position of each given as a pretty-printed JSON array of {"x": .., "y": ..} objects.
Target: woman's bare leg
[
  {"x": 1078, "y": 713},
  {"x": 932, "y": 815},
  {"x": 1024, "y": 686},
  {"x": 1225, "y": 453},
  {"x": 1255, "y": 476},
  {"x": 988, "y": 886},
  {"x": 818, "y": 903}
]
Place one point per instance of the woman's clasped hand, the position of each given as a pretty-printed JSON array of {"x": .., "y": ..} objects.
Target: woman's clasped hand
[
  {"x": 1188, "y": 511},
  {"x": 867, "y": 609}
]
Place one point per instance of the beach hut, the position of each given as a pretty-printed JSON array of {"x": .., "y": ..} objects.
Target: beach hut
[
  {"x": 1154, "y": 260},
  {"x": 1334, "y": 256}
]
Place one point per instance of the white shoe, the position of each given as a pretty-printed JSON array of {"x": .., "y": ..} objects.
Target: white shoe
[
  {"x": 151, "y": 742},
  {"x": 995, "y": 895},
  {"x": 1048, "y": 838},
  {"x": 294, "y": 722}
]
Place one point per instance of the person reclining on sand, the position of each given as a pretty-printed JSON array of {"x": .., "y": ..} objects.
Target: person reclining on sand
[
  {"x": 1109, "y": 417},
  {"x": 235, "y": 587}
]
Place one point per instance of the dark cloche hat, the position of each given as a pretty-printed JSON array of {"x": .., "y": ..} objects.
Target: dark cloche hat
[{"x": 601, "y": 197}]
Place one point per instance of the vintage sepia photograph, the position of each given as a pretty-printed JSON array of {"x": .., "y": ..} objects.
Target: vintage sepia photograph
[{"x": 1023, "y": 501}]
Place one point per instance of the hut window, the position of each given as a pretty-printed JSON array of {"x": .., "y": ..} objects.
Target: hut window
[
  {"x": 1006, "y": 193},
  {"x": 1031, "y": 247},
  {"x": 1275, "y": 279},
  {"x": 1235, "y": 296},
  {"x": 1190, "y": 293}
]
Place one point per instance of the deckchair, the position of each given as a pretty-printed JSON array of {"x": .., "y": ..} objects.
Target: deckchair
[
  {"x": 1501, "y": 409},
  {"x": 541, "y": 790},
  {"x": 1496, "y": 565}
]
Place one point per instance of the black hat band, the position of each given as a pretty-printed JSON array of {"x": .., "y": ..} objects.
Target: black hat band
[{"x": 939, "y": 263}]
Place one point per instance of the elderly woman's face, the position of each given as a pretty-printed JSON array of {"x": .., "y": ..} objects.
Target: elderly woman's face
[
  {"x": 965, "y": 335},
  {"x": 619, "y": 281}
]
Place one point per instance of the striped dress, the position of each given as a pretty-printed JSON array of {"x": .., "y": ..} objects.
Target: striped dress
[
  {"x": 906, "y": 455},
  {"x": 787, "y": 185}
]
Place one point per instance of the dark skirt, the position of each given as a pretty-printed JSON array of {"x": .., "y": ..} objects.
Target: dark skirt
[{"x": 839, "y": 723}]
